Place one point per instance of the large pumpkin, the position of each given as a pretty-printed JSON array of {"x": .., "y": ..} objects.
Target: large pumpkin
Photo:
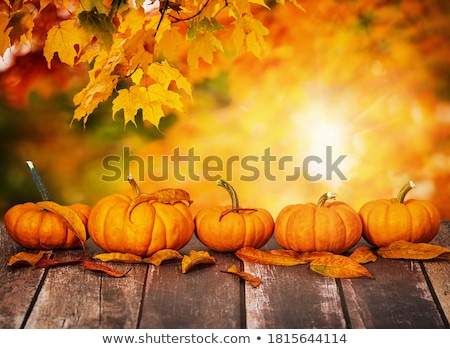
[
  {"x": 325, "y": 226},
  {"x": 46, "y": 225},
  {"x": 389, "y": 220},
  {"x": 229, "y": 228},
  {"x": 143, "y": 224}
]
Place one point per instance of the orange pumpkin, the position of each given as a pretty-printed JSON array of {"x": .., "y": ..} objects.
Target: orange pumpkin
[
  {"x": 389, "y": 220},
  {"x": 34, "y": 226},
  {"x": 143, "y": 224},
  {"x": 227, "y": 229},
  {"x": 333, "y": 227}
]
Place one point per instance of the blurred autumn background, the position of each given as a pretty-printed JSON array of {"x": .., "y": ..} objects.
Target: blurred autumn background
[{"x": 369, "y": 78}]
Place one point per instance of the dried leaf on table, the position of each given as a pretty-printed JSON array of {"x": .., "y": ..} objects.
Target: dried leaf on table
[
  {"x": 119, "y": 257},
  {"x": 253, "y": 280},
  {"x": 253, "y": 255},
  {"x": 163, "y": 255},
  {"x": 312, "y": 255},
  {"x": 196, "y": 258},
  {"x": 412, "y": 250},
  {"x": 48, "y": 263},
  {"x": 25, "y": 258},
  {"x": 69, "y": 216},
  {"x": 102, "y": 268},
  {"x": 363, "y": 254},
  {"x": 338, "y": 266}
]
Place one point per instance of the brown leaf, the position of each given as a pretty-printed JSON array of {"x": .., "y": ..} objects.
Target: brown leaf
[
  {"x": 253, "y": 280},
  {"x": 69, "y": 216},
  {"x": 48, "y": 263},
  {"x": 412, "y": 250},
  {"x": 363, "y": 254},
  {"x": 119, "y": 257},
  {"x": 102, "y": 268},
  {"x": 26, "y": 258},
  {"x": 171, "y": 196},
  {"x": 163, "y": 255},
  {"x": 196, "y": 258},
  {"x": 253, "y": 255},
  {"x": 338, "y": 266}
]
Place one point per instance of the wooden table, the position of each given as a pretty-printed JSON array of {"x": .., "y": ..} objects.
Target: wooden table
[{"x": 404, "y": 294}]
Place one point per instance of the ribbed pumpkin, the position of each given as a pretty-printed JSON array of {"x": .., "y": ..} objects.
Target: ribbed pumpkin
[
  {"x": 389, "y": 220},
  {"x": 143, "y": 224},
  {"x": 229, "y": 228},
  {"x": 33, "y": 226},
  {"x": 325, "y": 226}
]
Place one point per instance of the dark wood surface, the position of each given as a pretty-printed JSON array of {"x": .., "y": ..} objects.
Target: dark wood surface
[{"x": 403, "y": 294}]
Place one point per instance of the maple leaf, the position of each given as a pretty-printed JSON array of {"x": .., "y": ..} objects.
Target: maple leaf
[
  {"x": 22, "y": 25},
  {"x": 249, "y": 32},
  {"x": 5, "y": 41},
  {"x": 164, "y": 74},
  {"x": 150, "y": 100},
  {"x": 66, "y": 39}
]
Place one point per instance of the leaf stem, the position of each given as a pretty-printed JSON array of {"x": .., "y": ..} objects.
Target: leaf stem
[
  {"x": 134, "y": 185},
  {"x": 402, "y": 193},
  {"x": 327, "y": 196},
  {"x": 232, "y": 192},
  {"x": 38, "y": 181}
]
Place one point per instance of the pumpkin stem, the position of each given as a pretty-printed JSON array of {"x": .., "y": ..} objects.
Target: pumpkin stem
[
  {"x": 327, "y": 196},
  {"x": 402, "y": 193},
  {"x": 38, "y": 181},
  {"x": 134, "y": 185},
  {"x": 232, "y": 192}
]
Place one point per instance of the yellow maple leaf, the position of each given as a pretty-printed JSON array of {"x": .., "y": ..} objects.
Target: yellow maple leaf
[
  {"x": 163, "y": 73},
  {"x": 149, "y": 99},
  {"x": 203, "y": 46},
  {"x": 249, "y": 33},
  {"x": 66, "y": 39},
  {"x": 5, "y": 41}
]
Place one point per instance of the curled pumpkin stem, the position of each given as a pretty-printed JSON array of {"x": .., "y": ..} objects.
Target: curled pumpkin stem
[
  {"x": 134, "y": 185},
  {"x": 327, "y": 196},
  {"x": 402, "y": 193},
  {"x": 234, "y": 199},
  {"x": 38, "y": 181}
]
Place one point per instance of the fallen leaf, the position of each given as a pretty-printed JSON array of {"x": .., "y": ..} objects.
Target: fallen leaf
[
  {"x": 338, "y": 266},
  {"x": 253, "y": 255},
  {"x": 163, "y": 255},
  {"x": 288, "y": 253},
  {"x": 310, "y": 256},
  {"x": 196, "y": 258},
  {"x": 48, "y": 263},
  {"x": 102, "y": 268},
  {"x": 25, "y": 258},
  {"x": 69, "y": 216},
  {"x": 412, "y": 250},
  {"x": 119, "y": 257},
  {"x": 253, "y": 280},
  {"x": 363, "y": 254}
]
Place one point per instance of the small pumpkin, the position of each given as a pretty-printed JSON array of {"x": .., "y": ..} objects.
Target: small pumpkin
[
  {"x": 334, "y": 227},
  {"x": 143, "y": 224},
  {"x": 229, "y": 228},
  {"x": 46, "y": 225},
  {"x": 389, "y": 220}
]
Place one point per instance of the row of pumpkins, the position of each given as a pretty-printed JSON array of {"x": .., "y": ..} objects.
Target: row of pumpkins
[{"x": 147, "y": 223}]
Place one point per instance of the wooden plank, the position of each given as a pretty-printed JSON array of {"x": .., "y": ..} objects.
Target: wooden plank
[
  {"x": 74, "y": 297},
  {"x": 292, "y": 297},
  {"x": 17, "y": 285},
  {"x": 201, "y": 298},
  {"x": 398, "y": 297},
  {"x": 438, "y": 272}
]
